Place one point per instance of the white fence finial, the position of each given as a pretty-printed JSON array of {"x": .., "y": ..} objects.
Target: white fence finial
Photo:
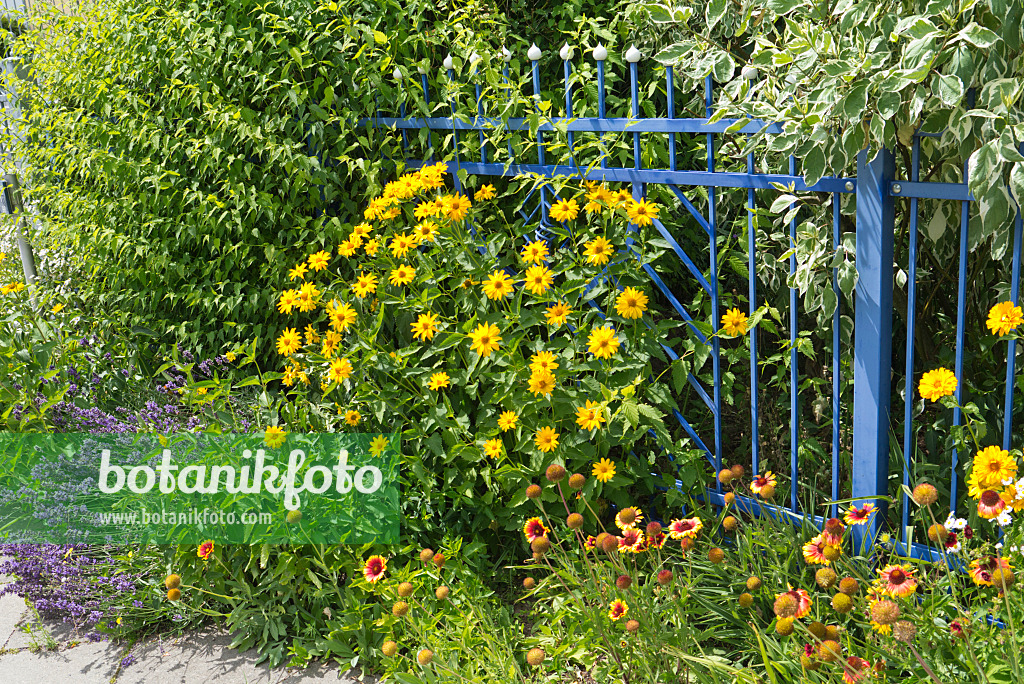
[
  {"x": 749, "y": 72},
  {"x": 506, "y": 55},
  {"x": 632, "y": 54},
  {"x": 600, "y": 53},
  {"x": 448, "y": 63},
  {"x": 473, "y": 58},
  {"x": 420, "y": 70},
  {"x": 565, "y": 53},
  {"x": 397, "y": 73},
  {"x": 533, "y": 53}
]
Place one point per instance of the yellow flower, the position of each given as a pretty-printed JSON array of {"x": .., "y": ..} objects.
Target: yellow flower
[
  {"x": 371, "y": 247},
  {"x": 603, "y": 343},
  {"x": 538, "y": 279},
  {"x": 591, "y": 416},
  {"x": 341, "y": 370},
  {"x": 937, "y": 383},
  {"x": 365, "y": 285},
  {"x": 362, "y": 230},
  {"x": 401, "y": 244},
  {"x": 485, "y": 192},
  {"x": 319, "y": 260},
  {"x": 347, "y": 248},
  {"x": 486, "y": 339},
  {"x": 312, "y": 336},
  {"x": 426, "y": 210},
  {"x": 391, "y": 213},
  {"x": 992, "y": 466},
  {"x": 734, "y": 322},
  {"x": 456, "y": 207},
  {"x": 543, "y": 362},
  {"x": 274, "y": 436},
  {"x": 604, "y": 470},
  {"x": 307, "y": 296},
  {"x": 298, "y": 272},
  {"x": 289, "y": 298},
  {"x": 631, "y": 303},
  {"x": 642, "y": 213},
  {"x": 546, "y": 439},
  {"x": 424, "y": 327},
  {"x": 498, "y": 285},
  {"x": 507, "y": 420},
  {"x": 425, "y": 231},
  {"x": 342, "y": 315},
  {"x": 598, "y": 251},
  {"x": 352, "y": 417},
  {"x": 378, "y": 445},
  {"x": 402, "y": 275},
  {"x": 230, "y": 356},
  {"x": 566, "y": 210},
  {"x": 557, "y": 314},
  {"x": 439, "y": 381},
  {"x": 492, "y": 447},
  {"x": 542, "y": 382},
  {"x": 535, "y": 252},
  {"x": 289, "y": 342},
  {"x": 57, "y": 308},
  {"x": 1004, "y": 317}
]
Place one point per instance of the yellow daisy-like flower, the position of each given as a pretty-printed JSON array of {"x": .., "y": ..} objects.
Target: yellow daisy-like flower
[
  {"x": 543, "y": 362},
  {"x": 598, "y": 251},
  {"x": 342, "y": 315},
  {"x": 631, "y": 303},
  {"x": 402, "y": 275},
  {"x": 566, "y": 210},
  {"x": 734, "y": 322},
  {"x": 603, "y": 342},
  {"x": 371, "y": 247},
  {"x": 274, "y": 436},
  {"x": 319, "y": 260},
  {"x": 402, "y": 243},
  {"x": 298, "y": 272},
  {"x": 1004, "y": 317},
  {"x": 353, "y": 417},
  {"x": 307, "y": 297},
  {"x": 439, "y": 381},
  {"x": 630, "y": 513},
  {"x": 992, "y": 466},
  {"x": 347, "y": 248},
  {"x": 492, "y": 447},
  {"x": 341, "y": 370},
  {"x": 312, "y": 336},
  {"x": 538, "y": 279},
  {"x": 355, "y": 240},
  {"x": 365, "y": 285},
  {"x": 456, "y": 207},
  {"x": 486, "y": 339},
  {"x": 546, "y": 439},
  {"x": 617, "y": 609},
  {"x": 378, "y": 445},
  {"x": 289, "y": 299},
  {"x": 642, "y": 213},
  {"x": 542, "y": 383},
  {"x": 485, "y": 192},
  {"x": 425, "y": 231},
  {"x": 604, "y": 470},
  {"x": 498, "y": 285},
  {"x": 230, "y": 356},
  {"x": 289, "y": 342},
  {"x": 591, "y": 416},
  {"x": 535, "y": 252},
  {"x": 391, "y": 213},
  {"x": 507, "y": 420},
  {"x": 424, "y": 327},
  {"x": 362, "y": 230},
  {"x": 937, "y": 383},
  {"x": 426, "y": 210},
  {"x": 557, "y": 314}
]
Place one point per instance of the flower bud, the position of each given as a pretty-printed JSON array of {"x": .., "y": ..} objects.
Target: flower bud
[
  {"x": 574, "y": 521},
  {"x": 632, "y": 626},
  {"x": 842, "y": 603},
  {"x": 529, "y": 583},
  {"x": 555, "y": 472},
  {"x": 753, "y": 583},
  {"x": 784, "y": 626},
  {"x": 716, "y": 555},
  {"x": 424, "y": 657},
  {"x": 738, "y": 471},
  {"x": 664, "y": 577},
  {"x": 729, "y": 497},
  {"x": 653, "y": 529},
  {"x": 442, "y": 593},
  {"x": 400, "y": 609},
  {"x": 405, "y": 589},
  {"x": 172, "y": 581},
  {"x": 730, "y": 523},
  {"x": 725, "y": 476},
  {"x": 746, "y": 600},
  {"x": 426, "y": 555},
  {"x": 576, "y": 481},
  {"x": 439, "y": 560},
  {"x": 925, "y": 494},
  {"x": 540, "y": 545},
  {"x": 390, "y": 648},
  {"x": 533, "y": 492},
  {"x": 849, "y": 586},
  {"x": 624, "y": 582},
  {"x": 938, "y": 534},
  {"x": 173, "y": 594},
  {"x": 535, "y": 656},
  {"x": 825, "y": 577}
]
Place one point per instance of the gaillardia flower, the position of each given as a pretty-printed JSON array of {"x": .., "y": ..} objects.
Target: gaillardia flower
[{"x": 374, "y": 569}]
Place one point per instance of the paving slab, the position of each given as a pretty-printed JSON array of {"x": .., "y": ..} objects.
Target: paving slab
[{"x": 94, "y": 663}]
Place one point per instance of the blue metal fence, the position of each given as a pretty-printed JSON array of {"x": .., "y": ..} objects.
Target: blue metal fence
[{"x": 875, "y": 190}]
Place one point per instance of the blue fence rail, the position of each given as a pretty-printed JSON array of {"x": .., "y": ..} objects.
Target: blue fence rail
[{"x": 875, "y": 190}]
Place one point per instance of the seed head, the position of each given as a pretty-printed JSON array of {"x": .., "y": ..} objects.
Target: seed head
[
  {"x": 687, "y": 543},
  {"x": 439, "y": 560},
  {"x": 729, "y": 497},
  {"x": 424, "y": 657},
  {"x": 172, "y": 581},
  {"x": 834, "y": 527},
  {"x": 653, "y": 529},
  {"x": 664, "y": 577},
  {"x": 533, "y": 491},
  {"x": 555, "y": 473},
  {"x": 632, "y": 626},
  {"x": 738, "y": 471},
  {"x": 825, "y": 577},
  {"x": 785, "y": 606},
  {"x": 426, "y": 555},
  {"x": 730, "y": 523},
  {"x": 535, "y": 656},
  {"x": 529, "y": 583},
  {"x": 540, "y": 545},
  {"x": 842, "y": 603},
  {"x": 831, "y": 552},
  {"x": 716, "y": 555},
  {"x": 849, "y": 585},
  {"x": 293, "y": 517},
  {"x": 904, "y": 631},
  {"x": 925, "y": 494},
  {"x": 442, "y": 593},
  {"x": 746, "y": 600},
  {"x": 609, "y": 544},
  {"x": 627, "y": 515},
  {"x": 624, "y": 582},
  {"x": 400, "y": 609},
  {"x": 817, "y": 630},
  {"x": 574, "y": 521},
  {"x": 390, "y": 648},
  {"x": 809, "y": 663},
  {"x": 1002, "y": 578},
  {"x": 725, "y": 476},
  {"x": 405, "y": 589},
  {"x": 173, "y": 594},
  {"x": 784, "y": 626},
  {"x": 829, "y": 651},
  {"x": 767, "y": 492},
  {"x": 938, "y": 534},
  {"x": 885, "y": 612},
  {"x": 577, "y": 480},
  {"x": 831, "y": 633},
  {"x": 753, "y": 583}
]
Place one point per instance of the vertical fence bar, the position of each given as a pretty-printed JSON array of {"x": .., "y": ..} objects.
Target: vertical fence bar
[
  {"x": 908, "y": 373},
  {"x": 836, "y": 378},
  {"x": 449, "y": 65},
  {"x": 507, "y": 56},
  {"x": 670, "y": 90},
  {"x": 961, "y": 315},
  {"x": 600, "y": 55},
  {"x": 473, "y": 59},
  {"x": 566, "y": 55},
  {"x": 397, "y": 74},
  {"x": 715, "y": 351},
  {"x": 426, "y": 99},
  {"x": 872, "y": 354},
  {"x": 1011, "y": 348},
  {"x": 534, "y": 54},
  {"x": 633, "y": 56},
  {"x": 794, "y": 376},
  {"x": 755, "y": 440}
]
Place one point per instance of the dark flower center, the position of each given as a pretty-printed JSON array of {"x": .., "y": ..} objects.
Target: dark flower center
[{"x": 989, "y": 498}]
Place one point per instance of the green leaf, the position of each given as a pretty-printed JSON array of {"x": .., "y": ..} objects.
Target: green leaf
[
  {"x": 949, "y": 89},
  {"x": 630, "y": 410},
  {"x": 715, "y": 11},
  {"x": 671, "y": 54},
  {"x": 1017, "y": 183},
  {"x": 978, "y": 36},
  {"x": 854, "y": 102}
]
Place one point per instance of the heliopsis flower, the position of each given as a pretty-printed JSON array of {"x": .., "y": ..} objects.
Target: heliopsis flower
[
  {"x": 542, "y": 382},
  {"x": 557, "y": 314},
  {"x": 374, "y": 569},
  {"x": 307, "y": 297},
  {"x": 534, "y": 528},
  {"x": 981, "y": 569},
  {"x": 617, "y": 609},
  {"x": 855, "y": 669},
  {"x": 859, "y": 516},
  {"x": 486, "y": 339},
  {"x": 535, "y": 252},
  {"x": 492, "y": 448},
  {"x": 566, "y": 210},
  {"x": 365, "y": 285},
  {"x": 289, "y": 342},
  {"x": 1013, "y": 496},
  {"x": 604, "y": 470},
  {"x": 485, "y": 192},
  {"x": 1004, "y": 317},
  {"x": 538, "y": 279},
  {"x": 312, "y": 336},
  {"x": 629, "y": 518},
  {"x": 319, "y": 260},
  {"x": 456, "y": 207},
  {"x": 424, "y": 327},
  {"x": 425, "y": 231},
  {"x": 631, "y": 303},
  {"x": 402, "y": 243},
  {"x": 342, "y": 315},
  {"x": 760, "y": 482},
  {"x": 734, "y": 322},
  {"x": 992, "y": 466},
  {"x": 353, "y": 417},
  {"x": 378, "y": 444},
  {"x": 402, "y": 275},
  {"x": 546, "y": 439},
  {"x": 498, "y": 285},
  {"x": 362, "y": 230},
  {"x": 298, "y": 272},
  {"x": 543, "y": 362},
  {"x": 205, "y": 549},
  {"x": 598, "y": 251},
  {"x": 603, "y": 342},
  {"x": 341, "y": 370},
  {"x": 371, "y": 247},
  {"x": 990, "y": 504},
  {"x": 685, "y": 527},
  {"x": 896, "y": 580},
  {"x": 937, "y": 383},
  {"x": 591, "y": 416},
  {"x": 439, "y": 381},
  {"x": 348, "y": 247},
  {"x": 632, "y": 540},
  {"x": 289, "y": 298},
  {"x": 391, "y": 213},
  {"x": 507, "y": 420},
  {"x": 274, "y": 436},
  {"x": 426, "y": 210},
  {"x": 814, "y": 551},
  {"x": 642, "y": 213},
  {"x": 803, "y": 601}
]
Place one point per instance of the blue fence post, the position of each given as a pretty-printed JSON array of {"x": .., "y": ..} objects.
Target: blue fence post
[{"x": 872, "y": 354}]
